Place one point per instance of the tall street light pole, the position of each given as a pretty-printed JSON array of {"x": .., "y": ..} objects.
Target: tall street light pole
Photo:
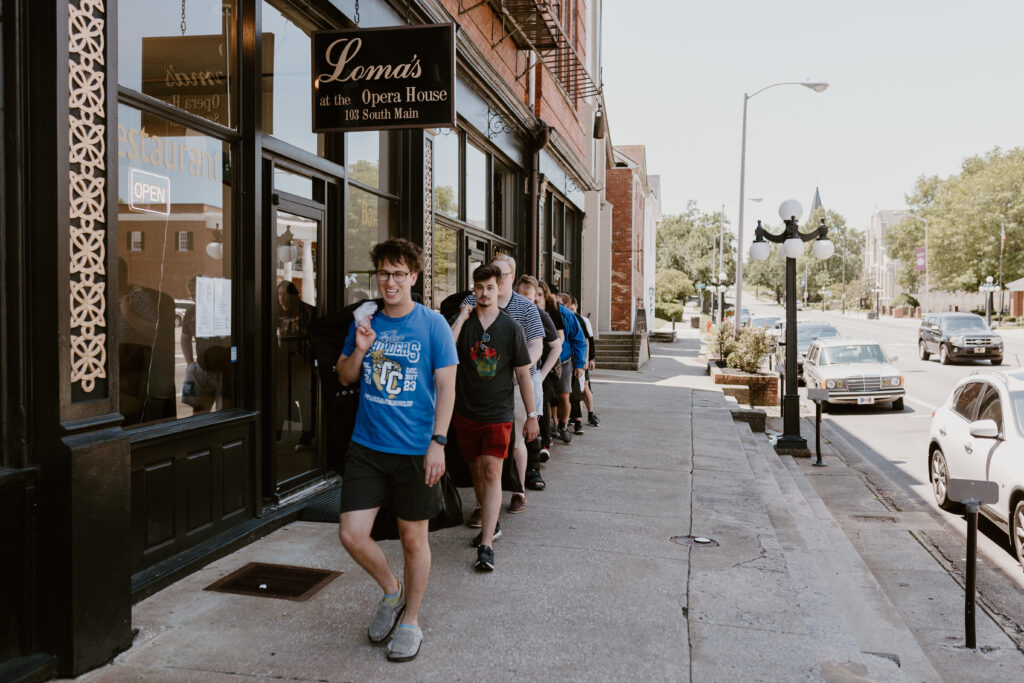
[
  {"x": 927, "y": 255},
  {"x": 792, "y": 241},
  {"x": 816, "y": 87}
]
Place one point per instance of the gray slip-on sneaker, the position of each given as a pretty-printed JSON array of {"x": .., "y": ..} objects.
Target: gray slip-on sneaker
[
  {"x": 405, "y": 644},
  {"x": 385, "y": 619}
]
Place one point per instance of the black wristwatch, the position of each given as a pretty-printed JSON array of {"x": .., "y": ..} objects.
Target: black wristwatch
[{"x": 440, "y": 438}]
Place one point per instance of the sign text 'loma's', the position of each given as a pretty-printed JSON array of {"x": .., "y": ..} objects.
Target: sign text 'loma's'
[{"x": 371, "y": 79}]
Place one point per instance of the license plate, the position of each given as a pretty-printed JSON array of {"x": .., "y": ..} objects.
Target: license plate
[
  {"x": 865, "y": 400},
  {"x": 980, "y": 349}
]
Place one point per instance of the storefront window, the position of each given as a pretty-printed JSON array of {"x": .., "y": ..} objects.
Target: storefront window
[
  {"x": 557, "y": 227},
  {"x": 371, "y": 219},
  {"x": 182, "y": 54},
  {"x": 446, "y": 263},
  {"x": 371, "y": 159},
  {"x": 446, "y": 173},
  {"x": 175, "y": 308},
  {"x": 293, "y": 183},
  {"x": 503, "y": 200},
  {"x": 286, "y": 52},
  {"x": 476, "y": 187}
]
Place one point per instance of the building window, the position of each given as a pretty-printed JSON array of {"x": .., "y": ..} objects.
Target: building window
[
  {"x": 176, "y": 312},
  {"x": 195, "y": 71},
  {"x": 371, "y": 219},
  {"x": 136, "y": 240},
  {"x": 446, "y": 173},
  {"x": 286, "y": 53},
  {"x": 476, "y": 187},
  {"x": 372, "y": 159},
  {"x": 446, "y": 263},
  {"x": 184, "y": 240}
]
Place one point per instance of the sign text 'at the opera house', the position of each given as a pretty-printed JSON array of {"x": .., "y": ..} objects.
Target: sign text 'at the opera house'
[{"x": 372, "y": 79}]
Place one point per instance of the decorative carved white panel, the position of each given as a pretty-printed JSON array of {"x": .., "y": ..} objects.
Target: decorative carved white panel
[
  {"x": 428, "y": 223},
  {"x": 88, "y": 177}
]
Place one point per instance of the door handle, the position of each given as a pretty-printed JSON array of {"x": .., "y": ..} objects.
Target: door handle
[
  {"x": 967, "y": 447},
  {"x": 942, "y": 431}
]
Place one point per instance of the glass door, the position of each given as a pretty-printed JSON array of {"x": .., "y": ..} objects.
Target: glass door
[
  {"x": 297, "y": 450},
  {"x": 476, "y": 256}
]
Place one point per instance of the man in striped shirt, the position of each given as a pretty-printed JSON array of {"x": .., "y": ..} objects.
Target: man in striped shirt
[{"x": 524, "y": 312}]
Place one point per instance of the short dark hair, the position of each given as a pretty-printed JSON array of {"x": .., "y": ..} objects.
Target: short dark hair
[
  {"x": 397, "y": 250},
  {"x": 486, "y": 272}
]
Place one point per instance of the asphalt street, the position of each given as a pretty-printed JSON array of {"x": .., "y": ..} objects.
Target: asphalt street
[{"x": 897, "y": 442}]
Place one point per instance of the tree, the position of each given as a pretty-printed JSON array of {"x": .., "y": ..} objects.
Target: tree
[
  {"x": 688, "y": 243},
  {"x": 671, "y": 285},
  {"x": 965, "y": 214}
]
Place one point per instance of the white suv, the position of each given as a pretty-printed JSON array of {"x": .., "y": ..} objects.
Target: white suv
[{"x": 978, "y": 433}]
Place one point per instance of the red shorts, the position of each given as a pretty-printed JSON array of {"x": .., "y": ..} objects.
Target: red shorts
[{"x": 481, "y": 438}]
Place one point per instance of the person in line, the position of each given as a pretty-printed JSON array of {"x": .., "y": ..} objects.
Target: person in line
[
  {"x": 528, "y": 286},
  {"x": 492, "y": 347},
  {"x": 547, "y": 303},
  {"x": 404, "y": 359},
  {"x": 582, "y": 392},
  {"x": 574, "y": 360},
  {"x": 525, "y": 313}
]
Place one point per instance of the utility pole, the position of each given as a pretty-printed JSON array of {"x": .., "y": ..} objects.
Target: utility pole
[
  {"x": 1002, "y": 244},
  {"x": 844, "y": 273}
]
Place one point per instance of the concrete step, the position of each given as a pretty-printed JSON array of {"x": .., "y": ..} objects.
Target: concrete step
[
  {"x": 823, "y": 619},
  {"x": 603, "y": 365},
  {"x": 841, "y": 583}
]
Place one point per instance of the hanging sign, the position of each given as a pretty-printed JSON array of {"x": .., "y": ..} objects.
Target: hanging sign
[
  {"x": 395, "y": 77},
  {"x": 920, "y": 259}
]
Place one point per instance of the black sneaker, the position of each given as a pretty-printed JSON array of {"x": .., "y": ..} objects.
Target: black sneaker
[
  {"x": 564, "y": 434},
  {"x": 497, "y": 534},
  {"x": 592, "y": 419},
  {"x": 544, "y": 455},
  {"x": 577, "y": 427},
  {"x": 484, "y": 559}
]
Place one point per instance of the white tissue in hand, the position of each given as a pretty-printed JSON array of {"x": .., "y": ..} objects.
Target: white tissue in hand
[{"x": 364, "y": 312}]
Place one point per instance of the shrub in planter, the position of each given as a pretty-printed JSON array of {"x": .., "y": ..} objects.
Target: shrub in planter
[
  {"x": 723, "y": 343},
  {"x": 668, "y": 310},
  {"x": 751, "y": 349}
]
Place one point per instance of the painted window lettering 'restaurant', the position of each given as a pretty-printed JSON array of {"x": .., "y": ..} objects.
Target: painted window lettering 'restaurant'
[{"x": 371, "y": 79}]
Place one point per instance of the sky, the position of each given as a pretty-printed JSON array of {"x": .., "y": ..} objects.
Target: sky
[{"x": 914, "y": 88}]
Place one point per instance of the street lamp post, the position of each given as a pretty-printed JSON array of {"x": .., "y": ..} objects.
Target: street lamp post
[
  {"x": 816, "y": 87},
  {"x": 988, "y": 288},
  {"x": 792, "y": 241}
]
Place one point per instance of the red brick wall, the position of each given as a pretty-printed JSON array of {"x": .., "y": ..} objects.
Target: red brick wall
[
  {"x": 627, "y": 235},
  {"x": 483, "y": 26}
]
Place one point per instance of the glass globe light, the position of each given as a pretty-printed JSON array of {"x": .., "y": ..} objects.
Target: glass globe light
[
  {"x": 759, "y": 250},
  {"x": 790, "y": 208},
  {"x": 793, "y": 247},
  {"x": 823, "y": 248}
]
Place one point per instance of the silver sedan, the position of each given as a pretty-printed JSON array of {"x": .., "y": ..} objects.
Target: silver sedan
[{"x": 854, "y": 371}]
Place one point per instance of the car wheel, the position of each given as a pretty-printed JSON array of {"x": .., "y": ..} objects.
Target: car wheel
[
  {"x": 944, "y": 355},
  {"x": 940, "y": 481},
  {"x": 1017, "y": 531},
  {"x": 922, "y": 350},
  {"x": 898, "y": 404},
  {"x": 997, "y": 361}
]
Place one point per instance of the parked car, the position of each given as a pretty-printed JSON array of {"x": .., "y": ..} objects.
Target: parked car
[
  {"x": 806, "y": 333},
  {"x": 181, "y": 308},
  {"x": 978, "y": 433},
  {"x": 745, "y": 317},
  {"x": 955, "y": 336},
  {"x": 766, "y": 321},
  {"x": 855, "y": 371}
]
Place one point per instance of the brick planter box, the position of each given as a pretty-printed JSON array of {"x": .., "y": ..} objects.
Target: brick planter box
[{"x": 763, "y": 387}]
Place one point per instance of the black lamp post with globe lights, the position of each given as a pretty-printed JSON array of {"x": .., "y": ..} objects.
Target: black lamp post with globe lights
[{"x": 792, "y": 241}]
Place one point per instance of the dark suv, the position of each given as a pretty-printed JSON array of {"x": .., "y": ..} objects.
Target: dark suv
[{"x": 958, "y": 336}]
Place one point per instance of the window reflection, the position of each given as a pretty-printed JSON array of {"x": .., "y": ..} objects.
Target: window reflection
[
  {"x": 446, "y": 263},
  {"x": 286, "y": 50},
  {"x": 189, "y": 63},
  {"x": 476, "y": 187},
  {"x": 175, "y": 313},
  {"x": 370, "y": 220},
  {"x": 371, "y": 159},
  {"x": 445, "y": 163}
]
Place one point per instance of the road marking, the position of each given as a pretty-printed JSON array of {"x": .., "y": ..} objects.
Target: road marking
[{"x": 929, "y": 406}]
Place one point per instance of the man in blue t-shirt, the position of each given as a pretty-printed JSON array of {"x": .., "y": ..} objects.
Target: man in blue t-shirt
[{"x": 404, "y": 358}]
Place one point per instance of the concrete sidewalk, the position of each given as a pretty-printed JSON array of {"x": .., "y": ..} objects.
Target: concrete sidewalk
[{"x": 588, "y": 584}]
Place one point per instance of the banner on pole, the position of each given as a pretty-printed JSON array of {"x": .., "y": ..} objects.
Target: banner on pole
[{"x": 920, "y": 259}]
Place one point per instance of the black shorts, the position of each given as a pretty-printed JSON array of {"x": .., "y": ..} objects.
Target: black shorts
[{"x": 373, "y": 478}]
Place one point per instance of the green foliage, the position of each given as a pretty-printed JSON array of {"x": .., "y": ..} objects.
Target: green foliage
[
  {"x": 965, "y": 213},
  {"x": 751, "y": 348},
  {"x": 906, "y": 300},
  {"x": 668, "y": 310},
  {"x": 672, "y": 285},
  {"x": 688, "y": 243}
]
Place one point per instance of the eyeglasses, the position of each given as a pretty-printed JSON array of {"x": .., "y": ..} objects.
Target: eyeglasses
[
  {"x": 399, "y": 276},
  {"x": 508, "y": 274}
]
